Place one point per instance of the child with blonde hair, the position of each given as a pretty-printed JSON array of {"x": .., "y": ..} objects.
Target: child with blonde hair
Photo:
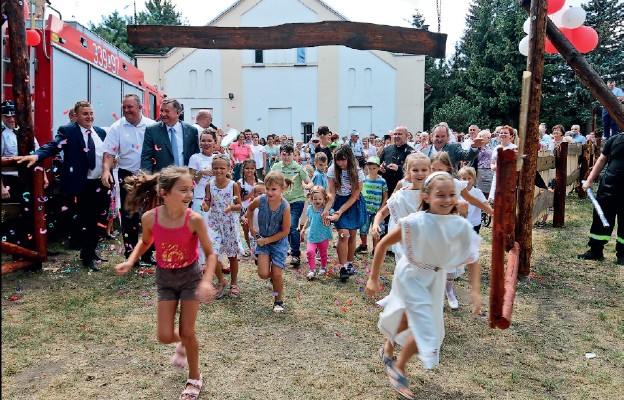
[
  {"x": 319, "y": 234},
  {"x": 274, "y": 222},
  {"x": 222, "y": 203}
]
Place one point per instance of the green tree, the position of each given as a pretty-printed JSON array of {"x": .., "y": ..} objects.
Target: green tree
[
  {"x": 158, "y": 12},
  {"x": 113, "y": 30}
]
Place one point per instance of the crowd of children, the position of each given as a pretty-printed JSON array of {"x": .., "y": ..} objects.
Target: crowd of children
[{"x": 429, "y": 209}]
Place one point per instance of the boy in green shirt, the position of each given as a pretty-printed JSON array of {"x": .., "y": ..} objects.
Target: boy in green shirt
[
  {"x": 294, "y": 195},
  {"x": 375, "y": 191}
]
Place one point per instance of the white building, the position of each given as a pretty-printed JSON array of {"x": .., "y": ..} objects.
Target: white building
[{"x": 292, "y": 91}]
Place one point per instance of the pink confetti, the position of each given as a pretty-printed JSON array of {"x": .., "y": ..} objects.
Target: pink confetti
[
  {"x": 64, "y": 208},
  {"x": 115, "y": 116},
  {"x": 66, "y": 112}
]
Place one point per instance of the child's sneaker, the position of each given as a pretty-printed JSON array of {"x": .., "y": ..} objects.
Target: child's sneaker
[
  {"x": 311, "y": 275},
  {"x": 350, "y": 268},
  {"x": 295, "y": 261},
  {"x": 344, "y": 274},
  {"x": 361, "y": 249},
  {"x": 322, "y": 271}
]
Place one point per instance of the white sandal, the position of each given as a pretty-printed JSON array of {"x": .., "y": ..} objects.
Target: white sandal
[{"x": 193, "y": 392}]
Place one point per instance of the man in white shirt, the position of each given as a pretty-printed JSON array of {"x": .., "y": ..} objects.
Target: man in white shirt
[
  {"x": 473, "y": 130},
  {"x": 125, "y": 141}
]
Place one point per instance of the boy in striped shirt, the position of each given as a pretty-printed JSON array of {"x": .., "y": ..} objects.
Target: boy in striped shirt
[{"x": 375, "y": 191}]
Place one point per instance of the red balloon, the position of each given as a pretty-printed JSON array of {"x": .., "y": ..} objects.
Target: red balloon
[
  {"x": 26, "y": 10},
  {"x": 32, "y": 37},
  {"x": 550, "y": 48},
  {"x": 584, "y": 38},
  {"x": 555, "y": 5}
]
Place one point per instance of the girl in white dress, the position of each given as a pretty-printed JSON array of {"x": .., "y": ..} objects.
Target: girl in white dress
[
  {"x": 434, "y": 239},
  {"x": 442, "y": 162}
]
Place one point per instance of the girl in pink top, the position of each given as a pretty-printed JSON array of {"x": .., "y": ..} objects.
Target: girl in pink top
[{"x": 174, "y": 230}]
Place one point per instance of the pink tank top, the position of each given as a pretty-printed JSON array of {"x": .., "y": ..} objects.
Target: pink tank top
[{"x": 175, "y": 247}]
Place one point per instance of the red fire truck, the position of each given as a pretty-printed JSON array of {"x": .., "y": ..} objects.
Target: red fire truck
[{"x": 71, "y": 63}]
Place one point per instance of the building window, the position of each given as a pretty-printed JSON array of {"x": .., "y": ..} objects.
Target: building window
[
  {"x": 192, "y": 81},
  {"x": 259, "y": 57},
  {"x": 301, "y": 53},
  {"x": 368, "y": 77},
  {"x": 306, "y": 130},
  {"x": 351, "y": 77},
  {"x": 208, "y": 79}
]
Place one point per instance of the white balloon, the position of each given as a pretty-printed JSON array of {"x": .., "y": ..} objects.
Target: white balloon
[
  {"x": 573, "y": 17},
  {"x": 523, "y": 46},
  {"x": 527, "y": 25},
  {"x": 556, "y": 17}
]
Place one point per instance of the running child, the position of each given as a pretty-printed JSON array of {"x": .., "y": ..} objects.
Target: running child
[
  {"x": 294, "y": 195},
  {"x": 175, "y": 231},
  {"x": 442, "y": 162},
  {"x": 246, "y": 185},
  {"x": 274, "y": 225},
  {"x": 319, "y": 233},
  {"x": 375, "y": 190},
  {"x": 403, "y": 202},
  {"x": 200, "y": 166},
  {"x": 345, "y": 180},
  {"x": 469, "y": 174},
  {"x": 435, "y": 239},
  {"x": 222, "y": 204},
  {"x": 320, "y": 170}
]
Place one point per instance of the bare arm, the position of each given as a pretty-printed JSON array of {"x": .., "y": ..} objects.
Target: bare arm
[
  {"x": 236, "y": 206},
  {"x": 145, "y": 241},
  {"x": 198, "y": 226},
  {"x": 393, "y": 237},
  {"x": 355, "y": 194},
  {"x": 248, "y": 218},
  {"x": 485, "y": 207},
  {"x": 107, "y": 164}
]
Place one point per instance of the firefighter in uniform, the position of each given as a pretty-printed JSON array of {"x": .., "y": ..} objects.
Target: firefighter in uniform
[{"x": 610, "y": 195}]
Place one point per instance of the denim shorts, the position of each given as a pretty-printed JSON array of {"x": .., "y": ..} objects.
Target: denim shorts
[
  {"x": 277, "y": 252},
  {"x": 178, "y": 283}
]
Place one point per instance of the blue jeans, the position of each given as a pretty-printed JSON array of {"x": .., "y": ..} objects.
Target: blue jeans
[
  {"x": 609, "y": 125},
  {"x": 296, "y": 209}
]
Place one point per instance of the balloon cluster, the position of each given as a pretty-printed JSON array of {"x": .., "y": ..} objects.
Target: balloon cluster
[{"x": 570, "y": 22}]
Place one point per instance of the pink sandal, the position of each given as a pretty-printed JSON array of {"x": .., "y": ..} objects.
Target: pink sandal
[
  {"x": 179, "y": 357},
  {"x": 234, "y": 291},
  {"x": 220, "y": 290},
  {"x": 192, "y": 393}
]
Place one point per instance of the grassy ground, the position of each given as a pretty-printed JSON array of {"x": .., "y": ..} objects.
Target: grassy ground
[{"x": 68, "y": 333}]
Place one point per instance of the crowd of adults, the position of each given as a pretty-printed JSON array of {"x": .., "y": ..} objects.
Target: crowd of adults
[{"x": 136, "y": 144}]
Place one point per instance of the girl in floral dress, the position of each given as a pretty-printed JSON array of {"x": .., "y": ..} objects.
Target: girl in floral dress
[{"x": 222, "y": 203}]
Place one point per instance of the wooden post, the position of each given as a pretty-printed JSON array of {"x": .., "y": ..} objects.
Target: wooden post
[
  {"x": 585, "y": 163},
  {"x": 588, "y": 76},
  {"x": 24, "y": 121},
  {"x": 526, "y": 181},
  {"x": 502, "y": 230},
  {"x": 561, "y": 176}
]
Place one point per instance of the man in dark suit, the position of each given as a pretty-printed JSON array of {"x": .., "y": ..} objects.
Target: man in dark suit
[
  {"x": 170, "y": 141},
  {"x": 82, "y": 144}
]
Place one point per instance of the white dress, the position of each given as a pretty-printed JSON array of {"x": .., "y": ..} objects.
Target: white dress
[{"x": 432, "y": 244}]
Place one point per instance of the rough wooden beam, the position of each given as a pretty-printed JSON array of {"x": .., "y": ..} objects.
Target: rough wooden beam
[
  {"x": 503, "y": 223},
  {"x": 356, "y": 35},
  {"x": 526, "y": 182}
]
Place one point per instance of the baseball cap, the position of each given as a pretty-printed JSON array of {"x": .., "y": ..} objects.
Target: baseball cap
[
  {"x": 373, "y": 160},
  {"x": 8, "y": 109},
  {"x": 354, "y": 132}
]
